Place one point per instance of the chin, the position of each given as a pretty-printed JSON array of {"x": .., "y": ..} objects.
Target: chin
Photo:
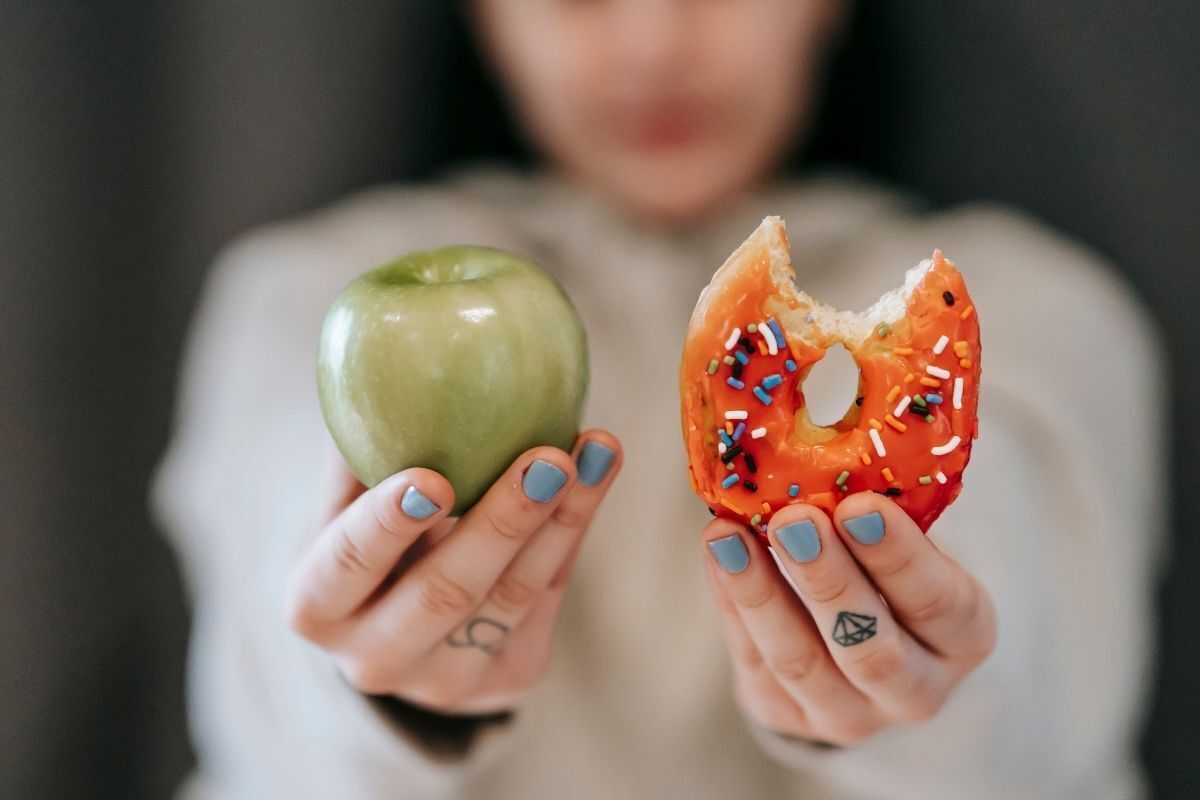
[{"x": 677, "y": 198}]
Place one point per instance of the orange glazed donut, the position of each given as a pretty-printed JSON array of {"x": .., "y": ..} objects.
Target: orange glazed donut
[{"x": 751, "y": 342}]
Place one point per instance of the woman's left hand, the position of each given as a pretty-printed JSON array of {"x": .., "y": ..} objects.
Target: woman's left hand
[{"x": 844, "y": 662}]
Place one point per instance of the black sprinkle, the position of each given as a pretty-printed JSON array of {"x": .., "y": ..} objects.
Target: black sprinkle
[
  {"x": 737, "y": 370},
  {"x": 858, "y": 401},
  {"x": 751, "y": 464},
  {"x": 751, "y": 485},
  {"x": 892, "y": 491},
  {"x": 712, "y": 511},
  {"x": 731, "y": 454},
  {"x": 949, "y": 298},
  {"x": 746, "y": 345}
]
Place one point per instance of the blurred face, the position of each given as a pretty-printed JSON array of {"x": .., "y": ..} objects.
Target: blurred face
[{"x": 668, "y": 107}]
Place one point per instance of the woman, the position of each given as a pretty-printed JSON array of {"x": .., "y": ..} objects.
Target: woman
[{"x": 660, "y": 123}]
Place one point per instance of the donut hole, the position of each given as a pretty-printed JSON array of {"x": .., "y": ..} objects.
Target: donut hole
[{"x": 831, "y": 387}]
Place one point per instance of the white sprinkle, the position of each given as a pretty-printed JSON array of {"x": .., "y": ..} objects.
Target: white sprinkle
[
  {"x": 769, "y": 337},
  {"x": 903, "y": 404},
  {"x": 937, "y": 372},
  {"x": 758, "y": 433},
  {"x": 875, "y": 440},
  {"x": 940, "y": 476},
  {"x": 958, "y": 386},
  {"x": 942, "y": 449},
  {"x": 736, "y": 415},
  {"x": 941, "y": 345},
  {"x": 733, "y": 338},
  {"x": 721, "y": 448}
]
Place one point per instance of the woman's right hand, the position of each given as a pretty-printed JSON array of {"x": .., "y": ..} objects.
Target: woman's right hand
[{"x": 455, "y": 616}]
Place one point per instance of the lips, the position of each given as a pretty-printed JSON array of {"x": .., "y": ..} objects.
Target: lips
[{"x": 665, "y": 125}]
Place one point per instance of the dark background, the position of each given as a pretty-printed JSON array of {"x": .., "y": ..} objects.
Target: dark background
[{"x": 136, "y": 137}]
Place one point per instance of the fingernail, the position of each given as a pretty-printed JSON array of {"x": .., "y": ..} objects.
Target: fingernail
[
  {"x": 867, "y": 529},
  {"x": 730, "y": 553},
  {"x": 593, "y": 462},
  {"x": 417, "y": 505},
  {"x": 542, "y": 481},
  {"x": 800, "y": 540}
]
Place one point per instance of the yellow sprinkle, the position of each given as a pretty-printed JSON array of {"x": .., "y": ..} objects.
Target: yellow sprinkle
[
  {"x": 893, "y": 394},
  {"x": 766, "y": 507},
  {"x": 887, "y": 474},
  {"x": 966, "y": 312},
  {"x": 729, "y": 427},
  {"x": 876, "y": 424},
  {"x": 732, "y": 507},
  {"x": 932, "y": 383},
  {"x": 866, "y": 459},
  {"x": 908, "y": 378},
  {"x": 961, "y": 349},
  {"x": 965, "y": 363},
  {"x": 762, "y": 347},
  {"x": 902, "y": 351},
  {"x": 895, "y": 423}
]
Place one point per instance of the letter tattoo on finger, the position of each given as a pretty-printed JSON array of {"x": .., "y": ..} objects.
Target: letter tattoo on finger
[{"x": 483, "y": 633}]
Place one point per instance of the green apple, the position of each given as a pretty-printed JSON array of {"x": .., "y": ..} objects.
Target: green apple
[{"x": 456, "y": 359}]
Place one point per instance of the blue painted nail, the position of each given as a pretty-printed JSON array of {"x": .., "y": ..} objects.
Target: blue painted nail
[
  {"x": 417, "y": 505},
  {"x": 542, "y": 481},
  {"x": 593, "y": 462},
  {"x": 867, "y": 529},
  {"x": 800, "y": 540},
  {"x": 730, "y": 553}
]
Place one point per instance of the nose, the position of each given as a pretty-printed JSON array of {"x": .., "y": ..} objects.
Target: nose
[{"x": 648, "y": 36}]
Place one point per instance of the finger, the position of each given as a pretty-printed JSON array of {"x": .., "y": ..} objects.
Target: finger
[
  {"x": 927, "y": 591},
  {"x": 871, "y": 649},
  {"x": 359, "y": 547},
  {"x": 781, "y": 628},
  {"x": 441, "y": 589}
]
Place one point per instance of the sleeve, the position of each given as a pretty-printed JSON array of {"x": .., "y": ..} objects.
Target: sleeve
[
  {"x": 1062, "y": 519},
  {"x": 237, "y": 495}
]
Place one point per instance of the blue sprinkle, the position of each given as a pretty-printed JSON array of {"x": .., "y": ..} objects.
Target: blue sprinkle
[
  {"x": 724, "y": 437},
  {"x": 739, "y": 430},
  {"x": 791, "y": 365},
  {"x": 735, "y": 383},
  {"x": 771, "y": 381},
  {"x": 730, "y": 480},
  {"x": 933, "y": 398},
  {"x": 774, "y": 326},
  {"x": 793, "y": 490},
  {"x": 742, "y": 357},
  {"x": 763, "y": 396}
]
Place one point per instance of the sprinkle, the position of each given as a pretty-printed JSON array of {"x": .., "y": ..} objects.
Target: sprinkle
[
  {"x": 790, "y": 365},
  {"x": 738, "y": 431},
  {"x": 932, "y": 383},
  {"x": 755, "y": 519},
  {"x": 769, "y": 336},
  {"x": 966, "y": 312},
  {"x": 737, "y": 371},
  {"x": 883, "y": 330},
  {"x": 725, "y": 440},
  {"x": 903, "y": 404},
  {"x": 887, "y": 474},
  {"x": 948, "y": 297},
  {"x": 758, "y": 433},
  {"x": 935, "y": 399},
  {"x": 942, "y": 449},
  {"x": 729, "y": 427},
  {"x": 920, "y": 401},
  {"x": 892, "y": 394},
  {"x": 731, "y": 454},
  {"x": 736, "y": 414},
  {"x": 958, "y": 390},
  {"x": 733, "y": 338},
  {"x": 751, "y": 464},
  {"x": 712, "y": 511},
  {"x": 762, "y": 347},
  {"x": 752, "y": 328},
  {"x": 735, "y": 383},
  {"x": 728, "y": 360},
  {"x": 965, "y": 363},
  {"x": 892, "y": 491},
  {"x": 929, "y": 418},
  {"x": 875, "y": 440},
  {"x": 732, "y": 507},
  {"x": 924, "y": 480},
  {"x": 730, "y": 480},
  {"x": 746, "y": 345},
  {"x": 902, "y": 351},
  {"x": 766, "y": 507},
  {"x": 909, "y": 377},
  {"x": 895, "y": 423},
  {"x": 750, "y": 485},
  {"x": 729, "y": 466},
  {"x": 772, "y": 380},
  {"x": 961, "y": 348},
  {"x": 741, "y": 357},
  {"x": 941, "y": 344},
  {"x": 774, "y": 326},
  {"x": 937, "y": 372},
  {"x": 841, "y": 479},
  {"x": 940, "y": 476},
  {"x": 721, "y": 448},
  {"x": 712, "y": 367},
  {"x": 763, "y": 397},
  {"x": 794, "y": 490},
  {"x": 866, "y": 459},
  {"x": 876, "y": 424},
  {"x": 858, "y": 401}
]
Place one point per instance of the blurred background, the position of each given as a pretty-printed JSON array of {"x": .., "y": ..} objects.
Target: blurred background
[{"x": 137, "y": 136}]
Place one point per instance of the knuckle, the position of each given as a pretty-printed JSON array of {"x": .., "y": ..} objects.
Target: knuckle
[
  {"x": 347, "y": 554},
  {"x": 571, "y": 515},
  {"x": 299, "y": 617},
  {"x": 386, "y": 514},
  {"x": 881, "y": 664},
  {"x": 441, "y": 595},
  {"x": 505, "y": 527},
  {"x": 441, "y": 695},
  {"x": 365, "y": 675},
  {"x": 850, "y": 732},
  {"x": 830, "y": 591},
  {"x": 512, "y": 593},
  {"x": 983, "y": 627},
  {"x": 749, "y": 656},
  {"x": 796, "y": 665},
  {"x": 896, "y": 565},
  {"x": 756, "y": 595},
  {"x": 924, "y": 706},
  {"x": 939, "y": 601}
]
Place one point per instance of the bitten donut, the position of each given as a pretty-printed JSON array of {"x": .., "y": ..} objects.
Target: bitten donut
[{"x": 752, "y": 340}]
